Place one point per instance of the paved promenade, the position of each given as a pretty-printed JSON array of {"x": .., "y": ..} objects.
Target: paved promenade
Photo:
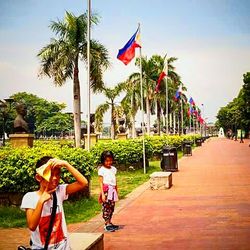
[{"x": 208, "y": 206}]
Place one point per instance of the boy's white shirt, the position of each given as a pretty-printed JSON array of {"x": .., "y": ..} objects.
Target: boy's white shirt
[
  {"x": 59, "y": 235},
  {"x": 108, "y": 175}
]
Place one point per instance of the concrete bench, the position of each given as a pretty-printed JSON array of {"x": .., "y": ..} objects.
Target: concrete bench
[
  {"x": 160, "y": 180},
  {"x": 86, "y": 241}
]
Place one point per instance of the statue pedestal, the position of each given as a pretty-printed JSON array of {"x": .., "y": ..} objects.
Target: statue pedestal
[
  {"x": 21, "y": 140},
  {"x": 93, "y": 140},
  {"x": 122, "y": 136}
]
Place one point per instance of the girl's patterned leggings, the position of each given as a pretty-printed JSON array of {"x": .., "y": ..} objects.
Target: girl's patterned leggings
[{"x": 107, "y": 210}]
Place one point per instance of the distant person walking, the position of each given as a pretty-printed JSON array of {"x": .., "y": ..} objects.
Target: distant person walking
[{"x": 108, "y": 189}]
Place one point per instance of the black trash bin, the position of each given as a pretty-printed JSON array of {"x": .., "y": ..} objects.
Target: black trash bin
[
  {"x": 187, "y": 148},
  {"x": 198, "y": 142},
  {"x": 169, "y": 160}
]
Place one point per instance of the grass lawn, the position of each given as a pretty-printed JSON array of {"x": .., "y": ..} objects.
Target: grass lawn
[{"x": 85, "y": 209}]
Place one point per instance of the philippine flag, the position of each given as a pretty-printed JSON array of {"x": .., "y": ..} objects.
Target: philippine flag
[
  {"x": 177, "y": 95},
  {"x": 127, "y": 53},
  {"x": 190, "y": 111},
  {"x": 161, "y": 76},
  {"x": 191, "y": 101}
]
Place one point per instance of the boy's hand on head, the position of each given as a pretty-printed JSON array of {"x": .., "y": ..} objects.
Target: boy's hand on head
[{"x": 57, "y": 163}]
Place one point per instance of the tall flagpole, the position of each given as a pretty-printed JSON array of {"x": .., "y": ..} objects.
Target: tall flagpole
[
  {"x": 88, "y": 76},
  {"x": 190, "y": 114},
  {"x": 166, "y": 96},
  {"x": 142, "y": 110},
  {"x": 174, "y": 121},
  {"x": 203, "y": 114},
  {"x": 181, "y": 116},
  {"x": 197, "y": 125}
]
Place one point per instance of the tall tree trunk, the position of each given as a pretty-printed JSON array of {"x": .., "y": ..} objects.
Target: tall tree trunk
[
  {"x": 132, "y": 117},
  {"x": 178, "y": 121},
  {"x": 133, "y": 125},
  {"x": 148, "y": 115},
  {"x": 174, "y": 127},
  {"x": 170, "y": 121},
  {"x": 112, "y": 122},
  {"x": 77, "y": 105}
]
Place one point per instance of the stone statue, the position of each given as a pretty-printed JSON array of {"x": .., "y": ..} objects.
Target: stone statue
[
  {"x": 121, "y": 122},
  {"x": 84, "y": 128},
  {"x": 20, "y": 125},
  {"x": 92, "y": 126},
  {"x": 155, "y": 128}
]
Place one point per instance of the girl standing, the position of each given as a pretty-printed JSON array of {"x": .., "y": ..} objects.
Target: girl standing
[{"x": 108, "y": 188}]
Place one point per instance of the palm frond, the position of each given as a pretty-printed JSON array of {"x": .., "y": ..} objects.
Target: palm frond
[{"x": 99, "y": 113}]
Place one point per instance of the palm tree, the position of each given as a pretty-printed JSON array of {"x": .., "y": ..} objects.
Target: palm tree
[
  {"x": 132, "y": 100},
  {"x": 111, "y": 94},
  {"x": 149, "y": 75},
  {"x": 180, "y": 106},
  {"x": 157, "y": 62},
  {"x": 60, "y": 58}
]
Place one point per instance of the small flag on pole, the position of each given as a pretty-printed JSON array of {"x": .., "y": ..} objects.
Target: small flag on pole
[
  {"x": 190, "y": 111},
  {"x": 127, "y": 53},
  {"x": 177, "y": 95},
  {"x": 201, "y": 121},
  {"x": 191, "y": 101},
  {"x": 162, "y": 75}
]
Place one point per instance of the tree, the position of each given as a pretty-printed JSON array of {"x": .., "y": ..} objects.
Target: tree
[
  {"x": 43, "y": 115},
  {"x": 151, "y": 69},
  {"x": 111, "y": 94},
  {"x": 149, "y": 75},
  {"x": 173, "y": 84},
  {"x": 237, "y": 112},
  {"x": 60, "y": 58},
  {"x": 56, "y": 124},
  {"x": 132, "y": 100},
  {"x": 245, "y": 102}
]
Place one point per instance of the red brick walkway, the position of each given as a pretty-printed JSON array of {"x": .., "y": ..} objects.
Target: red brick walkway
[{"x": 208, "y": 206}]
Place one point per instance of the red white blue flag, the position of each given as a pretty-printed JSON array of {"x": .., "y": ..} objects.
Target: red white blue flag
[
  {"x": 162, "y": 75},
  {"x": 177, "y": 95},
  {"x": 127, "y": 53},
  {"x": 190, "y": 111},
  {"x": 191, "y": 101}
]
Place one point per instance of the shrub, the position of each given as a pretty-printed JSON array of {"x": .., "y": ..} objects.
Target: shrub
[
  {"x": 17, "y": 165},
  {"x": 127, "y": 152},
  {"x": 158, "y": 142}
]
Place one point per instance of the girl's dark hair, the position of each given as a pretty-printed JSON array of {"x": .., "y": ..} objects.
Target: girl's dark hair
[
  {"x": 43, "y": 161},
  {"x": 106, "y": 154}
]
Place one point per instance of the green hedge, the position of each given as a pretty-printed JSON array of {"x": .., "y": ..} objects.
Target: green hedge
[
  {"x": 129, "y": 152},
  {"x": 158, "y": 142},
  {"x": 126, "y": 152},
  {"x": 17, "y": 165}
]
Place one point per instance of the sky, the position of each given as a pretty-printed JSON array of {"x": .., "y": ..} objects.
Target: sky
[{"x": 210, "y": 38}]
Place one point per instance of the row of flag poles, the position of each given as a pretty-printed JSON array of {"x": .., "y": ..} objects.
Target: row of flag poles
[{"x": 126, "y": 55}]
